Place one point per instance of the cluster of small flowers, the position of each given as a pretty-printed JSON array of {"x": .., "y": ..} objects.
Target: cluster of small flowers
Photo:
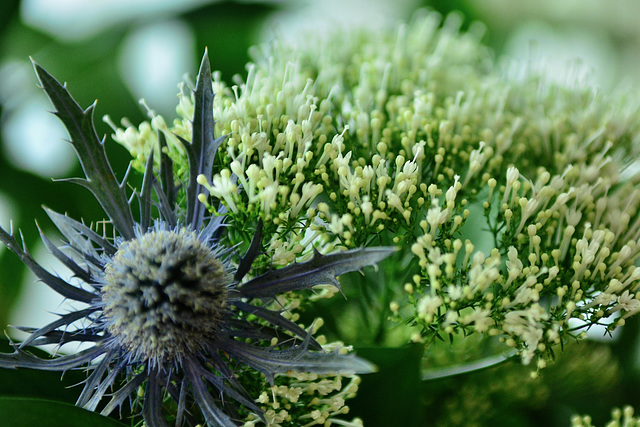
[
  {"x": 400, "y": 137},
  {"x": 565, "y": 248},
  {"x": 301, "y": 399},
  {"x": 272, "y": 130},
  {"x": 619, "y": 418},
  {"x": 304, "y": 124}
]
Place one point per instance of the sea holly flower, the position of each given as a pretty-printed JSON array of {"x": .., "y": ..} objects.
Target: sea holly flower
[{"x": 169, "y": 313}]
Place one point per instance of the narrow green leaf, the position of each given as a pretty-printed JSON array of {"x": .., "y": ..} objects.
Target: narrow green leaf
[
  {"x": 21, "y": 412},
  {"x": 39, "y": 384}
]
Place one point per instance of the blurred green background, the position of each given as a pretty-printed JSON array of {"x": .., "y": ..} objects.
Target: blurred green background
[{"x": 118, "y": 51}]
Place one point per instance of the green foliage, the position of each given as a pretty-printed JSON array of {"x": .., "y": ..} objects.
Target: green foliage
[
  {"x": 397, "y": 385},
  {"x": 20, "y": 412}
]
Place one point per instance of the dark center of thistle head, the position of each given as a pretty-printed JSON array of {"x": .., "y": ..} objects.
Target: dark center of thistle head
[{"x": 164, "y": 292}]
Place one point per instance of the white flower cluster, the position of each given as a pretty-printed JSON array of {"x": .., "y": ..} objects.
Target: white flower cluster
[
  {"x": 413, "y": 137},
  {"x": 301, "y": 399},
  {"x": 565, "y": 248},
  {"x": 619, "y": 418}
]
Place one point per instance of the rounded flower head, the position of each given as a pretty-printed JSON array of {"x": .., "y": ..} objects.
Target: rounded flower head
[
  {"x": 164, "y": 293},
  {"x": 168, "y": 311}
]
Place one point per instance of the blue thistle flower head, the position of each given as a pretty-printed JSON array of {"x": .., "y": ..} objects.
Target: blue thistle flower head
[{"x": 165, "y": 310}]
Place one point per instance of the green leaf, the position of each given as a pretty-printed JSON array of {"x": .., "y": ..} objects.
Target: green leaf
[
  {"x": 39, "y": 384},
  {"x": 21, "y": 411},
  {"x": 392, "y": 396}
]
